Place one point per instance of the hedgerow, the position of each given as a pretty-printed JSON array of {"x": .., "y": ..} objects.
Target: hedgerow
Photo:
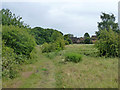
[
  {"x": 17, "y": 45},
  {"x": 18, "y": 39}
]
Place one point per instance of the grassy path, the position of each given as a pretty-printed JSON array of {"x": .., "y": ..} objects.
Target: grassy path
[
  {"x": 91, "y": 72},
  {"x": 43, "y": 76},
  {"x": 39, "y": 74}
]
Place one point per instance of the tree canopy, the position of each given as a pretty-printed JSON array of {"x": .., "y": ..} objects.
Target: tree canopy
[
  {"x": 9, "y": 18},
  {"x": 108, "y": 21},
  {"x": 45, "y": 35},
  {"x": 87, "y": 39},
  {"x": 67, "y": 38}
]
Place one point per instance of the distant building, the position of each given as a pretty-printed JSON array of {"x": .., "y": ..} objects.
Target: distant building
[
  {"x": 76, "y": 40},
  {"x": 80, "y": 40},
  {"x": 93, "y": 38}
]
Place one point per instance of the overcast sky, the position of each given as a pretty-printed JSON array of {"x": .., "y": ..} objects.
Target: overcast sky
[{"x": 68, "y": 16}]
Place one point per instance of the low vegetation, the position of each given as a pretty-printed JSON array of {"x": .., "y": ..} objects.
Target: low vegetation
[
  {"x": 55, "y": 46},
  {"x": 90, "y": 72},
  {"x": 74, "y": 57}
]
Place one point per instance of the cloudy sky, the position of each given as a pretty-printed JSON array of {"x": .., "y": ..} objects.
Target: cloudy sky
[{"x": 68, "y": 16}]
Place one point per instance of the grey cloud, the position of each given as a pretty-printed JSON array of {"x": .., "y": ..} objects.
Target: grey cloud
[{"x": 75, "y": 18}]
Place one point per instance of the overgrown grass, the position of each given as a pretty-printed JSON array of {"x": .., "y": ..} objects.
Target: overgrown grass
[
  {"x": 35, "y": 74},
  {"x": 84, "y": 49},
  {"x": 91, "y": 72}
]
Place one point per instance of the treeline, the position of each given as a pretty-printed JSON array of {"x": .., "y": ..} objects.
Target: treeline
[{"x": 19, "y": 41}]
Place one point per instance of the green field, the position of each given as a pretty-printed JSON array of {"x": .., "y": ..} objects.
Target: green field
[{"x": 51, "y": 70}]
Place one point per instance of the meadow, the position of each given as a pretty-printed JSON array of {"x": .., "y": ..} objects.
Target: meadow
[{"x": 50, "y": 70}]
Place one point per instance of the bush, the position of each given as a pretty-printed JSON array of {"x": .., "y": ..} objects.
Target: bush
[
  {"x": 74, "y": 57},
  {"x": 8, "y": 62},
  {"x": 60, "y": 44},
  {"x": 17, "y": 45},
  {"x": 108, "y": 43},
  {"x": 55, "y": 46},
  {"x": 47, "y": 48},
  {"x": 66, "y": 42},
  {"x": 19, "y": 39}
]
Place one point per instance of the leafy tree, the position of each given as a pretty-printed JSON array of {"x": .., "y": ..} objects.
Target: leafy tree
[
  {"x": 56, "y": 35},
  {"x": 70, "y": 35},
  {"x": 86, "y": 35},
  {"x": 67, "y": 38},
  {"x": 108, "y": 21},
  {"x": 8, "y": 18},
  {"x": 45, "y": 35},
  {"x": 108, "y": 43},
  {"x": 87, "y": 39}
]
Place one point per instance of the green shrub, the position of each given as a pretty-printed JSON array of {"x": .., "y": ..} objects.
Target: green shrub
[
  {"x": 48, "y": 47},
  {"x": 66, "y": 42},
  {"x": 60, "y": 44},
  {"x": 108, "y": 43},
  {"x": 9, "y": 63},
  {"x": 55, "y": 46},
  {"x": 19, "y": 39},
  {"x": 17, "y": 45},
  {"x": 33, "y": 54},
  {"x": 74, "y": 57}
]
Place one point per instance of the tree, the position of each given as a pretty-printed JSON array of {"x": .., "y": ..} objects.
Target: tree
[
  {"x": 67, "y": 38},
  {"x": 45, "y": 35},
  {"x": 8, "y": 18},
  {"x": 108, "y": 21},
  {"x": 108, "y": 43},
  {"x": 87, "y": 39},
  {"x": 86, "y": 35},
  {"x": 70, "y": 35},
  {"x": 56, "y": 35}
]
